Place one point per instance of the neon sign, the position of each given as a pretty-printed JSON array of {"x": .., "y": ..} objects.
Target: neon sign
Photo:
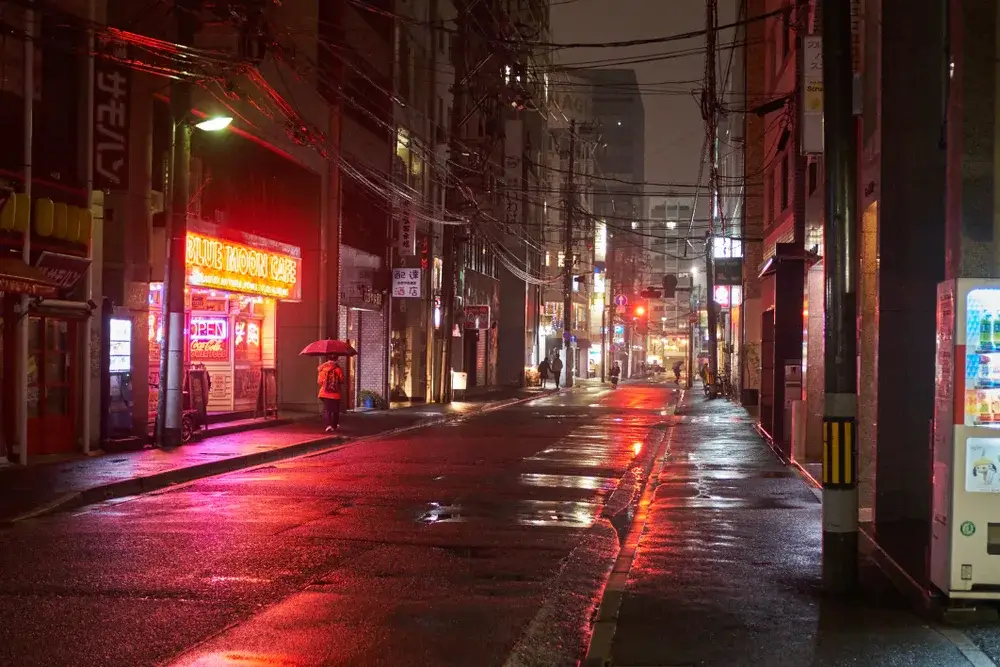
[
  {"x": 209, "y": 328},
  {"x": 225, "y": 265}
]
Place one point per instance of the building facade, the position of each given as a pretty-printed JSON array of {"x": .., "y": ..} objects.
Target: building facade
[{"x": 569, "y": 161}]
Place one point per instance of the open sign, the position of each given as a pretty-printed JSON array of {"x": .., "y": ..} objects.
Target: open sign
[{"x": 209, "y": 328}]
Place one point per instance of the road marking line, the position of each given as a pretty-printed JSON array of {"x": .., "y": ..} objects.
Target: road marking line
[{"x": 603, "y": 632}]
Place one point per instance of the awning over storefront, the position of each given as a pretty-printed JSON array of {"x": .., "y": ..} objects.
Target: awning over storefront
[{"x": 16, "y": 277}]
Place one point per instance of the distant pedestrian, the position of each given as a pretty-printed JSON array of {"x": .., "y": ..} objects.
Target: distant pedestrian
[
  {"x": 331, "y": 383},
  {"x": 556, "y": 367},
  {"x": 543, "y": 371}
]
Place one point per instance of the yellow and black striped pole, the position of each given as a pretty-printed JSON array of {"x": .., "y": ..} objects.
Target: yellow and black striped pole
[
  {"x": 839, "y": 453},
  {"x": 840, "y": 268}
]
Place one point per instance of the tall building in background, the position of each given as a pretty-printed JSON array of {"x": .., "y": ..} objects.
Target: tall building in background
[
  {"x": 619, "y": 196},
  {"x": 621, "y": 155},
  {"x": 672, "y": 328}
]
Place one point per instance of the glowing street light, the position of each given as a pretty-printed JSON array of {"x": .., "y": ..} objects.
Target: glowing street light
[{"x": 214, "y": 124}]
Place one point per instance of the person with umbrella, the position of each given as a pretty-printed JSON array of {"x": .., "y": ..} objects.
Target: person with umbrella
[
  {"x": 331, "y": 382},
  {"x": 330, "y": 377}
]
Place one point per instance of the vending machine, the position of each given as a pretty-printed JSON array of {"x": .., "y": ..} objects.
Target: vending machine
[{"x": 965, "y": 525}]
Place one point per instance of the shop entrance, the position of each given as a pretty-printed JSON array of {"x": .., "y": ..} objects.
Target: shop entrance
[
  {"x": 471, "y": 356},
  {"x": 51, "y": 390}
]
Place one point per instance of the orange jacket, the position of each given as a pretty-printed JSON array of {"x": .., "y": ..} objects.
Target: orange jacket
[{"x": 324, "y": 371}]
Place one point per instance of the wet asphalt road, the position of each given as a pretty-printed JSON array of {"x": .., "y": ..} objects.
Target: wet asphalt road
[{"x": 452, "y": 545}]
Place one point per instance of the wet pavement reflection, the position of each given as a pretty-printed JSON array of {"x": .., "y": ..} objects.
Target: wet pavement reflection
[
  {"x": 727, "y": 568},
  {"x": 451, "y": 545}
]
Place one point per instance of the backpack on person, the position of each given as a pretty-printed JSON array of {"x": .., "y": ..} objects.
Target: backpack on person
[{"x": 333, "y": 380}]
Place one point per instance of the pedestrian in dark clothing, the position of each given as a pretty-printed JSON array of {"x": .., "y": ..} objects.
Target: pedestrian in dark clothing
[
  {"x": 543, "y": 371},
  {"x": 556, "y": 367}
]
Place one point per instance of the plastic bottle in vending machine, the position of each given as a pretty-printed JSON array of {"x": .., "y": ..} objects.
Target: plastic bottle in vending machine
[
  {"x": 985, "y": 416},
  {"x": 986, "y": 332}
]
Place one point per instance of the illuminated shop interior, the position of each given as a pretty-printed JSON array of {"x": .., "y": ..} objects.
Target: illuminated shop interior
[{"x": 231, "y": 335}]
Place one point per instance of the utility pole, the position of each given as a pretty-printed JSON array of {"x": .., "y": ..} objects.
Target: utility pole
[
  {"x": 711, "y": 119},
  {"x": 840, "y": 263},
  {"x": 453, "y": 201},
  {"x": 170, "y": 403},
  {"x": 23, "y": 322},
  {"x": 568, "y": 256}
]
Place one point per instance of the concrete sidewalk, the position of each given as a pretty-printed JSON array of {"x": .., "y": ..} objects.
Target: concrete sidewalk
[
  {"x": 34, "y": 490},
  {"x": 723, "y": 568}
]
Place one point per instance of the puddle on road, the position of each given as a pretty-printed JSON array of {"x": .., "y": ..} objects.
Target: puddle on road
[
  {"x": 567, "y": 481},
  {"x": 537, "y": 513},
  {"x": 437, "y": 513}
]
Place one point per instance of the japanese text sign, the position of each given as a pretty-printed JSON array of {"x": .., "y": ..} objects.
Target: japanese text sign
[
  {"x": 407, "y": 236},
  {"x": 112, "y": 81},
  {"x": 406, "y": 283}
]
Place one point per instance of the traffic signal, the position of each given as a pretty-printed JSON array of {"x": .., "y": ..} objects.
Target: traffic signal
[
  {"x": 640, "y": 311},
  {"x": 669, "y": 286}
]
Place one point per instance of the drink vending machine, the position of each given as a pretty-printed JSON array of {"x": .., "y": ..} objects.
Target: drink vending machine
[{"x": 965, "y": 522}]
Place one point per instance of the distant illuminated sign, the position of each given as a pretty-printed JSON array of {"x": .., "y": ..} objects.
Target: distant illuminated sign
[
  {"x": 600, "y": 242},
  {"x": 234, "y": 267},
  {"x": 722, "y": 296}
]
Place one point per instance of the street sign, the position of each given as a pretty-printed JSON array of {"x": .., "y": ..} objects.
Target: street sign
[
  {"x": 728, "y": 270},
  {"x": 406, "y": 283},
  {"x": 621, "y": 300}
]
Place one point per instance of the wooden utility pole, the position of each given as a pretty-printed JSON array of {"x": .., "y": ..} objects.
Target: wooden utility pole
[{"x": 568, "y": 256}]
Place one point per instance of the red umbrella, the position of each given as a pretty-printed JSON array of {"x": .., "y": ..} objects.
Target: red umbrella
[{"x": 328, "y": 348}]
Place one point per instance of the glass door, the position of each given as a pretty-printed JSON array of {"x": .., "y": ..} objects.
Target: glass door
[{"x": 51, "y": 387}]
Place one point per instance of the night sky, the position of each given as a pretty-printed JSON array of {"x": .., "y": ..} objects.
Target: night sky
[{"x": 674, "y": 129}]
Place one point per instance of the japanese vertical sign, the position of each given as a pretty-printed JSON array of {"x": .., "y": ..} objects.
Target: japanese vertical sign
[
  {"x": 812, "y": 96},
  {"x": 112, "y": 80},
  {"x": 513, "y": 149},
  {"x": 407, "y": 246}
]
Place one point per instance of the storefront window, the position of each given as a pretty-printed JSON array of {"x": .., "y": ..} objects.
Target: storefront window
[
  {"x": 248, "y": 338},
  {"x": 209, "y": 338}
]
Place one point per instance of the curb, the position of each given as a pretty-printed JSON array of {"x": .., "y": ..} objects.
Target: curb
[{"x": 161, "y": 480}]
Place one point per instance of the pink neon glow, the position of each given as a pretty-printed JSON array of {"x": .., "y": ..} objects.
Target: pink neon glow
[{"x": 209, "y": 328}]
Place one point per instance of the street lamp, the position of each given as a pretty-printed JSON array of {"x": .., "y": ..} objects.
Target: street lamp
[
  {"x": 214, "y": 124},
  {"x": 169, "y": 407}
]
